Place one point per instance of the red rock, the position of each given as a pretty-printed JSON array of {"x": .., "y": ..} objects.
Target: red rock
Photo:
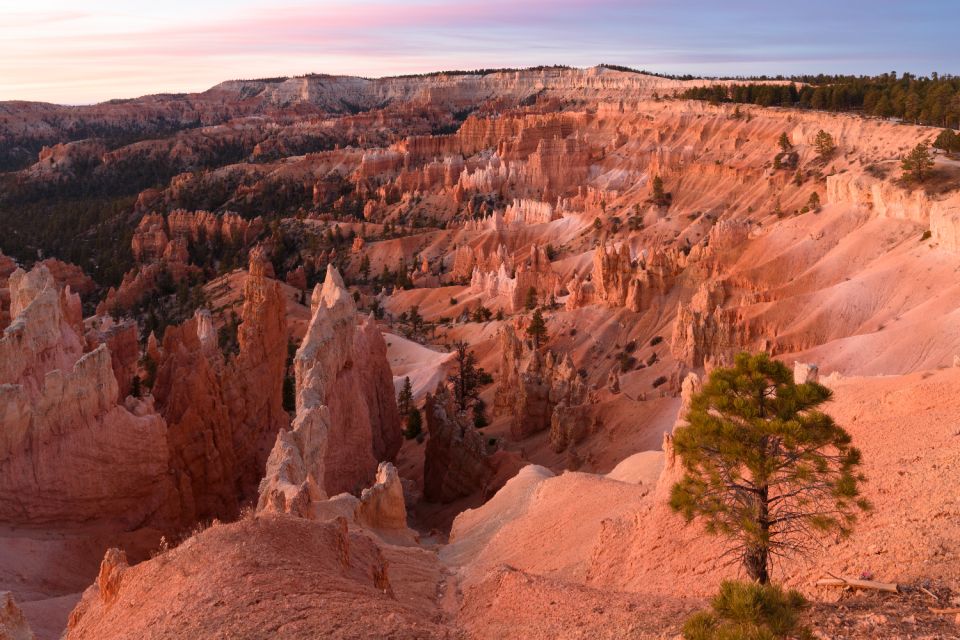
[
  {"x": 63, "y": 427},
  {"x": 224, "y": 415},
  {"x": 346, "y": 420},
  {"x": 456, "y": 461},
  {"x": 13, "y": 625}
]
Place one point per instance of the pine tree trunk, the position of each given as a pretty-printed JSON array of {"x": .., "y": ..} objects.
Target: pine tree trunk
[
  {"x": 755, "y": 562},
  {"x": 756, "y": 557}
]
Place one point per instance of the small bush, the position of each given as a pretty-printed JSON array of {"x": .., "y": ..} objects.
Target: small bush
[
  {"x": 627, "y": 362},
  {"x": 926, "y": 235},
  {"x": 659, "y": 381},
  {"x": 414, "y": 424},
  {"x": 749, "y": 611},
  {"x": 655, "y": 340}
]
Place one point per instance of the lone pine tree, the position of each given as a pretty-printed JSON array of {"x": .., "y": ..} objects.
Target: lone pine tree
[{"x": 763, "y": 466}]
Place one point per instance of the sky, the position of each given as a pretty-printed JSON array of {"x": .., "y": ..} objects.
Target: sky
[{"x": 84, "y": 51}]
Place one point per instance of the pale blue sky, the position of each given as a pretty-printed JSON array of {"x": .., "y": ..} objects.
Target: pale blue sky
[{"x": 79, "y": 52}]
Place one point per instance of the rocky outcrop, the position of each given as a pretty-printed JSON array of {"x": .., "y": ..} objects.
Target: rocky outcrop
[
  {"x": 508, "y": 382},
  {"x": 346, "y": 414},
  {"x": 510, "y": 292},
  {"x": 162, "y": 247},
  {"x": 621, "y": 281},
  {"x": 123, "y": 340},
  {"x": 110, "y": 578},
  {"x": 569, "y": 425},
  {"x": 13, "y": 624},
  {"x": 67, "y": 274},
  {"x": 704, "y": 333},
  {"x": 526, "y": 212},
  {"x": 224, "y": 413},
  {"x": 155, "y": 233},
  {"x": 69, "y": 453},
  {"x": 382, "y": 506},
  {"x": 7, "y": 266},
  {"x": 672, "y": 470},
  {"x": 540, "y": 391},
  {"x": 804, "y": 372},
  {"x": 550, "y": 389},
  {"x": 457, "y": 462},
  {"x": 293, "y": 482},
  {"x": 254, "y": 381},
  {"x": 375, "y": 382}
]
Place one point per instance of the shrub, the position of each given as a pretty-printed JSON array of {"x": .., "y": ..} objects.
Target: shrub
[
  {"x": 749, "y": 611},
  {"x": 948, "y": 140},
  {"x": 926, "y": 235},
  {"x": 659, "y": 381}
]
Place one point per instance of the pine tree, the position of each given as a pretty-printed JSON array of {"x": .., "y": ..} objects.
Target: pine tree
[
  {"x": 467, "y": 378},
  {"x": 918, "y": 163},
  {"x": 784, "y": 143},
  {"x": 948, "y": 141},
  {"x": 659, "y": 196},
  {"x": 414, "y": 423},
  {"x": 824, "y": 144},
  {"x": 365, "y": 267},
  {"x": 798, "y": 178},
  {"x": 135, "y": 387},
  {"x": 814, "y": 202},
  {"x": 405, "y": 397},
  {"x": 479, "y": 414},
  {"x": 531, "y": 300},
  {"x": 414, "y": 320},
  {"x": 763, "y": 466},
  {"x": 777, "y": 208},
  {"x": 537, "y": 329}
]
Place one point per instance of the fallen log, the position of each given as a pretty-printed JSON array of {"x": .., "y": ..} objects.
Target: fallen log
[
  {"x": 858, "y": 584},
  {"x": 944, "y": 611}
]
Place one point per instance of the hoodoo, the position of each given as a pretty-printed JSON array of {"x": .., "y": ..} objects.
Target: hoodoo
[{"x": 461, "y": 354}]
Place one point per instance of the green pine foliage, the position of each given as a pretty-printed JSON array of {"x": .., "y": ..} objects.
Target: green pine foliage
[
  {"x": 414, "y": 423},
  {"x": 749, "y": 611},
  {"x": 948, "y": 141},
  {"x": 918, "y": 163},
  {"x": 659, "y": 196},
  {"x": 467, "y": 377},
  {"x": 824, "y": 144},
  {"x": 537, "y": 329},
  {"x": 405, "y": 397},
  {"x": 933, "y": 100},
  {"x": 784, "y": 142},
  {"x": 763, "y": 465}
]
